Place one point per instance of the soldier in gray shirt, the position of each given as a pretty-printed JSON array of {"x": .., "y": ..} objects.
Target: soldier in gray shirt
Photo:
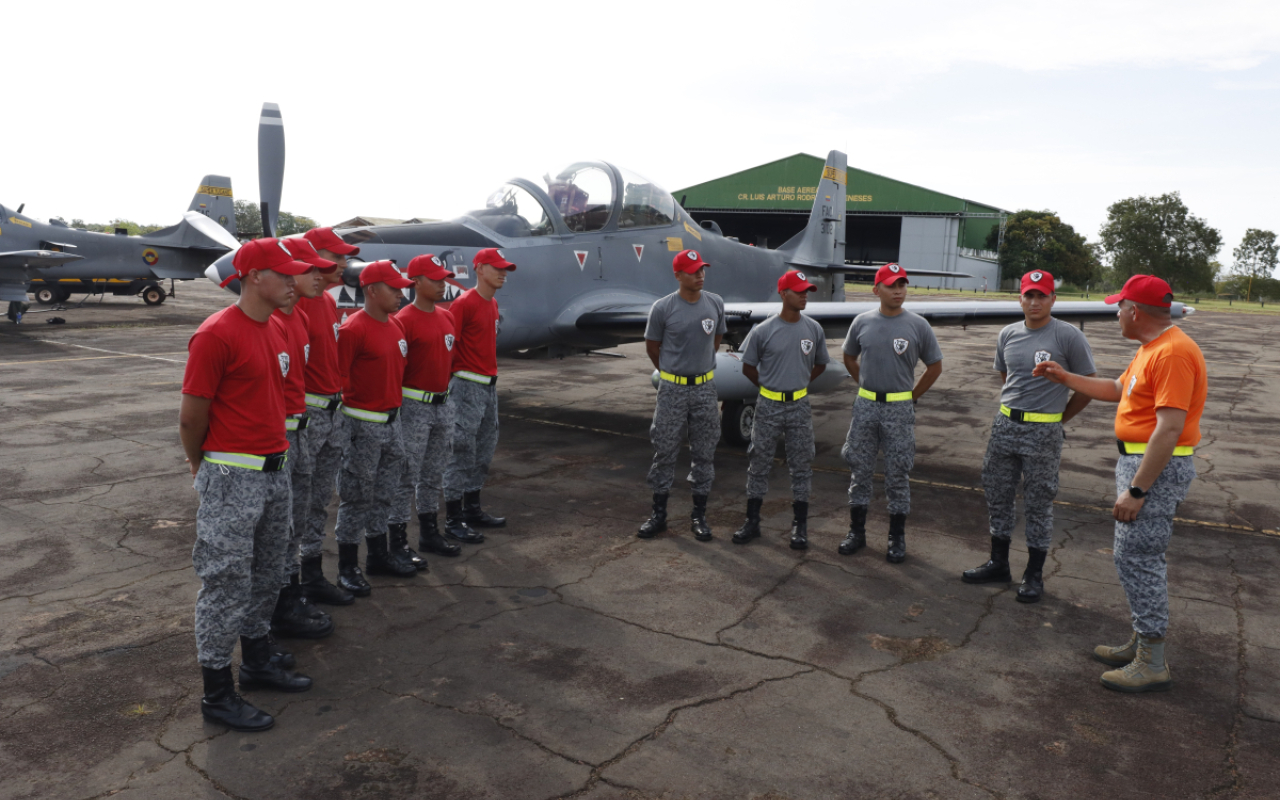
[
  {"x": 782, "y": 355},
  {"x": 683, "y": 334},
  {"x": 888, "y": 341},
  {"x": 1026, "y": 436}
]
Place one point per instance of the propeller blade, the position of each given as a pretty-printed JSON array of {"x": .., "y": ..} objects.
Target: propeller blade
[
  {"x": 211, "y": 229},
  {"x": 270, "y": 165}
]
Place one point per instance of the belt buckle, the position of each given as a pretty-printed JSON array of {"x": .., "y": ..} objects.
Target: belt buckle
[
  {"x": 1016, "y": 415},
  {"x": 392, "y": 414},
  {"x": 882, "y": 397},
  {"x": 274, "y": 462}
]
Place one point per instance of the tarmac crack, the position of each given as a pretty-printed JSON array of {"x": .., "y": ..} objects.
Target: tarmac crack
[
  {"x": 1235, "y": 782},
  {"x": 751, "y": 609}
]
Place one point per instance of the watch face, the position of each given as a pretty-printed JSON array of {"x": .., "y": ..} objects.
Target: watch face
[{"x": 1136, "y": 493}]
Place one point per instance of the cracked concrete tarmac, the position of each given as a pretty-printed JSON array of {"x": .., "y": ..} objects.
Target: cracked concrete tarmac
[{"x": 566, "y": 658}]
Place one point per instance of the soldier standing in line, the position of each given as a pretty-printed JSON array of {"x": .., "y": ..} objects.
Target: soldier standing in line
[
  {"x": 782, "y": 356},
  {"x": 684, "y": 332},
  {"x": 326, "y": 431},
  {"x": 1161, "y": 397},
  {"x": 890, "y": 340},
  {"x": 426, "y": 417},
  {"x": 1026, "y": 436},
  {"x": 232, "y": 429},
  {"x": 371, "y": 357},
  {"x": 473, "y": 393}
]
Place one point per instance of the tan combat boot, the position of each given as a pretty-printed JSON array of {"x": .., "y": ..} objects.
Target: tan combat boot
[
  {"x": 1139, "y": 675},
  {"x": 1117, "y": 656}
]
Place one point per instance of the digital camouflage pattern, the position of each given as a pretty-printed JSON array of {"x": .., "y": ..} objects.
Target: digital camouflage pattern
[
  {"x": 475, "y": 436},
  {"x": 242, "y": 528},
  {"x": 367, "y": 483},
  {"x": 327, "y": 441},
  {"x": 299, "y": 466},
  {"x": 1027, "y": 452},
  {"x": 876, "y": 426},
  {"x": 694, "y": 409},
  {"x": 1140, "y": 545},
  {"x": 428, "y": 437},
  {"x": 793, "y": 423}
]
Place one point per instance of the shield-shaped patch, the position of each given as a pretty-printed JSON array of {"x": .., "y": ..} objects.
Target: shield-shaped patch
[
  {"x": 306, "y": 354},
  {"x": 708, "y": 325},
  {"x": 336, "y": 326},
  {"x": 1132, "y": 380},
  {"x": 1043, "y": 356},
  {"x": 806, "y": 346},
  {"x": 284, "y": 363},
  {"x": 899, "y": 346},
  {"x": 404, "y": 348},
  {"x": 497, "y": 326},
  {"x": 448, "y": 341}
]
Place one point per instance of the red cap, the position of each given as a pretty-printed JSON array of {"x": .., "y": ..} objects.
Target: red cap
[
  {"x": 795, "y": 281},
  {"x": 326, "y": 239},
  {"x": 303, "y": 250},
  {"x": 384, "y": 272},
  {"x": 1037, "y": 279},
  {"x": 1146, "y": 289},
  {"x": 890, "y": 274},
  {"x": 430, "y": 267},
  {"x": 493, "y": 257},
  {"x": 265, "y": 254},
  {"x": 689, "y": 261}
]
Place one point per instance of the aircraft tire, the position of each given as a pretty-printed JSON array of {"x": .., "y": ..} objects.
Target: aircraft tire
[
  {"x": 153, "y": 295},
  {"x": 47, "y": 295},
  {"x": 736, "y": 420},
  {"x": 64, "y": 294}
]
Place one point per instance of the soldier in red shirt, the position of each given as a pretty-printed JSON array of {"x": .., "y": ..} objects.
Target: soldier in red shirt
[
  {"x": 474, "y": 396},
  {"x": 326, "y": 433},
  {"x": 232, "y": 429},
  {"x": 426, "y": 420},
  {"x": 372, "y": 353}
]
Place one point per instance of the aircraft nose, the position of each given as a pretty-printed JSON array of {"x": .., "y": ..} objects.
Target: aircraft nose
[{"x": 222, "y": 269}]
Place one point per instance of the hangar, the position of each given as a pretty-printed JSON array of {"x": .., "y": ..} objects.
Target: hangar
[{"x": 886, "y": 220}]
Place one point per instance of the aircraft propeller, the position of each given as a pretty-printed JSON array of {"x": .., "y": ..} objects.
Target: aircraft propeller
[{"x": 270, "y": 165}]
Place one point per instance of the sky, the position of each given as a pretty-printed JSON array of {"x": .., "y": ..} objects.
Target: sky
[{"x": 403, "y": 109}]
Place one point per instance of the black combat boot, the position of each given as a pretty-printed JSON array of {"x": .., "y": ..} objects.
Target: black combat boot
[
  {"x": 751, "y": 528},
  {"x": 398, "y": 545},
  {"x": 279, "y": 655},
  {"x": 430, "y": 540},
  {"x": 476, "y": 517},
  {"x": 1033, "y": 578},
  {"x": 316, "y": 588},
  {"x": 698, "y": 519},
  {"x": 257, "y": 671},
  {"x": 455, "y": 524},
  {"x": 293, "y": 619},
  {"x": 800, "y": 525},
  {"x": 379, "y": 561},
  {"x": 657, "y": 521},
  {"x": 350, "y": 578},
  {"x": 856, "y": 539},
  {"x": 897, "y": 552},
  {"x": 222, "y": 706},
  {"x": 996, "y": 570}
]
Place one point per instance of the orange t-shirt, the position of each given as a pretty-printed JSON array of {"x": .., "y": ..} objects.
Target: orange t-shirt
[{"x": 1168, "y": 372}]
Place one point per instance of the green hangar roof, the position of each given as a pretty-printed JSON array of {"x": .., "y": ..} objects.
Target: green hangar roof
[{"x": 788, "y": 184}]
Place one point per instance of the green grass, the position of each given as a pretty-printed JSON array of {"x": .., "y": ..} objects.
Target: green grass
[{"x": 1202, "y": 303}]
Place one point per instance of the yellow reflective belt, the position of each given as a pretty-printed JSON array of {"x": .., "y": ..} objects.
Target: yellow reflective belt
[
  {"x": 236, "y": 460},
  {"x": 783, "y": 397},
  {"x": 291, "y": 423},
  {"x": 474, "y": 377},
  {"x": 1138, "y": 448},
  {"x": 1028, "y": 416},
  {"x": 420, "y": 395},
  {"x": 889, "y": 397},
  {"x": 320, "y": 400},
  {"x": 693, "y": 380},
  {"x": 367, "y": 416}
]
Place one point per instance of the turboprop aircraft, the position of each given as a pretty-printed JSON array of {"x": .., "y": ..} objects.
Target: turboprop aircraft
[{"x": 593, "y": 248}]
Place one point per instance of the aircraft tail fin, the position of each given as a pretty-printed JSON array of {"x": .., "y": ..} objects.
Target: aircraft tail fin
[
  {"x": 214, "y": 200},
  {"x": 821, "y": 244}
]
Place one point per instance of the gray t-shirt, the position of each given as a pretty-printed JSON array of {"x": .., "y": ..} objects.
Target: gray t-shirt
[
  {"x": 1019, "y": 349},
  {"x": 785, "y": 352},
  {"x": 687, "y": 331},
  {"x": 888, "y": 349}
]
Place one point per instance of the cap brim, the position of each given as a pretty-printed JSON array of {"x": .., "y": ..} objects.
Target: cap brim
[
  {"x": 322, "y": 264},
  {"x": 394, "y": 283},
  {"x": 1113, "y": 299},
  {"x": 340, "y": 248},
  {"x": 437, "y": 276},
  {"x": 692, "y": 268},
  {"x": 292, "y": 268}
]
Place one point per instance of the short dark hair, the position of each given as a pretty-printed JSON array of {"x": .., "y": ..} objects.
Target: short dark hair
[{"x": 1153, "y": 311}]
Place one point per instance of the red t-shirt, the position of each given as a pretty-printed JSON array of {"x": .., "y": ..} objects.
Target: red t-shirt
[
  {"x": 476, "y": 322},
  {"x": 431, "y": 341},
  {"x": 240, "y": 364},
  {"x": 371, "y": 358},
  {"x": 323, "y": 322},
  {"x": 297, "y": 340}
]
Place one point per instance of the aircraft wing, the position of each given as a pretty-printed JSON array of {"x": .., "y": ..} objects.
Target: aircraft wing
[
  {"x": 14, "y": 265},
  {"x": 860, "y": 271}
]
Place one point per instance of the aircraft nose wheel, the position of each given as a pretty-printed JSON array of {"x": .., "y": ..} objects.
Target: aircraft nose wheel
[
  {"x": 153, "y": 295},
  {"x": 736, "y": 420}
]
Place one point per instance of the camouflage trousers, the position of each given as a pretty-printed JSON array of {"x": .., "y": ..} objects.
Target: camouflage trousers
[
  {"x": 428, "y": 437},
  {"x": 1140, "y": 545},
  {"x": 681, "y": 409},
  {"x": 1029, "y": 452},
  {"x": 300, "y": 465},
  {"x": 326, "y": 440},
  {"x": 367, "y": 483},
  {"x": 242, "y": 528},
  {"x": 475, "y": 436},
  {"x": 891, "y": 426},
  {"x": 793, "y": 423}
]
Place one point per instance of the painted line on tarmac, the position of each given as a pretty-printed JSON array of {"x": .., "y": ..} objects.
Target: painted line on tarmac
[
  {"x": 113, "y": 352},
  {"x": 84, "y": 358},
  {"x": 918, "y": 481}
]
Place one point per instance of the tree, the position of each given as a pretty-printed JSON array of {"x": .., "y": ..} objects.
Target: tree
[
  {"x": 1159, "y": 236},
  {"x": 249, "y": 221},
  {"x": 133, "y": 228},
  {"x": 1257, "y": 254},
  {"x": 293, "y": 224},
  {"x": 1040, "y": 240}
]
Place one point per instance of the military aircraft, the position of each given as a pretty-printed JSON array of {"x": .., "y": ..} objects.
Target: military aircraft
[
  {"x": 54, "y": 260},
  {"x": 593, "y": 246}
]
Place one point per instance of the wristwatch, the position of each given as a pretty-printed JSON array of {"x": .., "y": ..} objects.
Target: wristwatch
[{"x": 1136, "y": 493}]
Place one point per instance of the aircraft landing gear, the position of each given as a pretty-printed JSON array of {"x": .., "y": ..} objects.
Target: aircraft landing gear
[
  {"x": 16, "y": 310},
  {"x": 153, "y": 294},
  {"x": 736, "y": 419}
]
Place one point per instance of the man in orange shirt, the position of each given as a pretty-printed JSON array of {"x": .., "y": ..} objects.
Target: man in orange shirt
[{"x": 1161, "y": 397}]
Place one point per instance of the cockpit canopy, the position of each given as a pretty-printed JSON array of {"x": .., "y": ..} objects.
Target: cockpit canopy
[{"x": 584, "y": 197}]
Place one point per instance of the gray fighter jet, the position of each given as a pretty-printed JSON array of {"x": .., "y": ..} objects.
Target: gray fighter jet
[
  {"x": 53, "y": 260},
  {"x": 593, "y": 248}
]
